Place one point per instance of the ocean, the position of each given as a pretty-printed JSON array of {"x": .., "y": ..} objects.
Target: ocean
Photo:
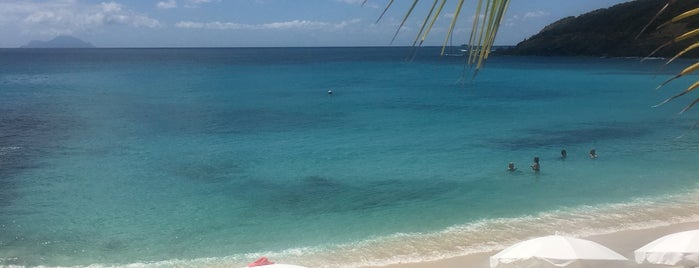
[{"x": 215, "y": 157}]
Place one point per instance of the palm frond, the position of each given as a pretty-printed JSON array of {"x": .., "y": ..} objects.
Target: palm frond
[
  {"x": 472, "y": 37},
  {"x": 654, "y": 18},
  {"x": 459, "y": 4},
  {"x": 685, "y": 36},
  {"x": 680, "y": 17},
  {"x": 480, "y": 47},
  {"x": 384, "y": 11},
  {"x": 424, "y": 23},
  {"x": 689, "y": 48},
  {"x": 404, "y": 19},
  {"x": 687, "y": 70},
  {"x": 483, "y": 32},
  {"x": 434, "y": 19},
  {"x": 680, "y": 38},
  {"x": 475, "y": 42},
  {"x": 689, "y": 89},
  {"x": 689, "y": 106},
  {"x": 491, "y": 28}
]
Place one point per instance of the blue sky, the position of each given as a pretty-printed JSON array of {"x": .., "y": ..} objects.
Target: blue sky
[{"x": 254, "y": 23}]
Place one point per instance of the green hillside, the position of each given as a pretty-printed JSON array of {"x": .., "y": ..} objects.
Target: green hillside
[{"x": 612, "y": 32}]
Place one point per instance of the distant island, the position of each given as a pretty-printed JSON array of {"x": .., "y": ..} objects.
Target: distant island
[
  {"x": 611, "y": 32},
  {"x": 62, "y": 41}
]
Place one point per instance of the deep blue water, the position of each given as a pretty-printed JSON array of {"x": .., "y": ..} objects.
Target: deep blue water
[{"x": 210, "y": 157}]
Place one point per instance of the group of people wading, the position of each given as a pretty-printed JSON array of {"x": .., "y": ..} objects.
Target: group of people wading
[{"x": 536, "y": 166}]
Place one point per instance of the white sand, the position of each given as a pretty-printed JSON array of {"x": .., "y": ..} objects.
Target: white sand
[{"x": 624, "y": 242}]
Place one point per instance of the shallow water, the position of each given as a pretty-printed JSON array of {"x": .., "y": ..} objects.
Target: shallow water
[{"x": 213, "y": 157}]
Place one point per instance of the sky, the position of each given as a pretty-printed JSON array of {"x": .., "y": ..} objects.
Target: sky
[{"x": 262, "y": 23}]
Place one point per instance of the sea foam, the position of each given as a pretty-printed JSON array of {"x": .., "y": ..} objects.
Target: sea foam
[{"x": 459, "y": 240}]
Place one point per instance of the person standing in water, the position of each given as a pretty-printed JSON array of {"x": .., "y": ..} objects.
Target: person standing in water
[
  {"x": 564, "y": 154},
  {"x": 511, "y": 167},
  {"x": 535, "y": 166},
  {"x": 593, "y": 154}
]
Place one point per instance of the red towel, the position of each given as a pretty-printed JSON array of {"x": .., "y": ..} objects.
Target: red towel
[{"x": 260, "y": 262}]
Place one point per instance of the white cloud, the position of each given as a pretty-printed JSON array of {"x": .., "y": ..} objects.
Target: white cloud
[
  {"x": 189, "y": 25},
  {"x": 68, "y": 16},
  {"x": 167, "y": 4},
  {"x": 351, "y": 2},
  {"x": 301, "y": 24},
  {"x": 364, "y": 3},
  {"x": 110, "y": 7},
  {"x": 514, "y": 20},
  {"x": 293, "y": 24},
  {"x": 196, "y": 3},
  {"x": 535, "y": 14},
  {"x": 216, "y": 25},
  {"x": 13, "y": 11}
]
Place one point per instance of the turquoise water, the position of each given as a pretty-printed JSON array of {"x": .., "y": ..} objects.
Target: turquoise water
[{"x": 213, "y": 157}]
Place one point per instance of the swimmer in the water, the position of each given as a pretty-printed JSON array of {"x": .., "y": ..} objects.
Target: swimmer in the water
[{"x": 535, "y": 166}]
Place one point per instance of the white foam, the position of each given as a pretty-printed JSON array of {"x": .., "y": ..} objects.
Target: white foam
[
  {"x": 6, "y": 150},
  {"x": 479, "y": 236},
  {"x": 25, "y": 79}
]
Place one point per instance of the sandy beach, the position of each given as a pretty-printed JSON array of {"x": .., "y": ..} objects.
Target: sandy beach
[{"x": 624, "y": 242}]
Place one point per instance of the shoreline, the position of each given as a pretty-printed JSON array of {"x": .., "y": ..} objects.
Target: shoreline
[{"x": 624, "y": 242}]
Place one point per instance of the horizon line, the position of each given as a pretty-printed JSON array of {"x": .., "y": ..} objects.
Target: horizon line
[{"x": 228, "y": 47}]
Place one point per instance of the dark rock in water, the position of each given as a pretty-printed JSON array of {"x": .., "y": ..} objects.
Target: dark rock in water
[{"x": 62, "y": 41}]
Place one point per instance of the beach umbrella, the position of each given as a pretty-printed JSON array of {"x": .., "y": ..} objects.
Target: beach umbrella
[
  {"x": 674, "y": 249},
  {"x": 279, "y": 265},
  {"x": 263, "y": 262},
  {"x": 555, "y": 251}
]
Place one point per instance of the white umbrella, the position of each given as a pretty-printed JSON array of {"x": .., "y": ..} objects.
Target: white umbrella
[
  {"x": 554, "y": 251},
  {"x": 674, "y": 249},
  {"x": 279, "y": 265}
]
